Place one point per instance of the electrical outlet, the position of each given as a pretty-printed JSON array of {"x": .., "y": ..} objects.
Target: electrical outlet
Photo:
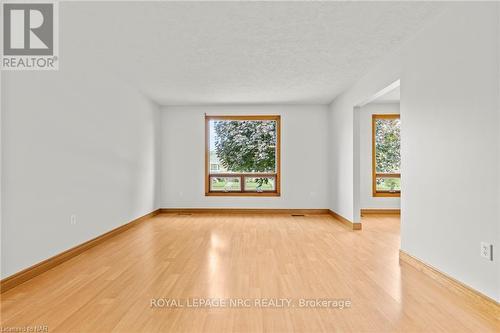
[
  {"x": 72, "y": 219},
  {"x": 487, "y": 251}
]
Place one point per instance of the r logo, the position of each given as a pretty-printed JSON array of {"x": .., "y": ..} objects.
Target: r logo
[{"x": 28, "y": 29}]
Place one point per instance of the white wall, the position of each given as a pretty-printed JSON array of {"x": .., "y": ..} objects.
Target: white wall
[
  {"x": 74, "y": 141},
  {"x": 451, "y": 153},
  {"x": 450, "y": 142},
  {"x": 303, "y": 157},
  {"x": 367, "y": 200}
]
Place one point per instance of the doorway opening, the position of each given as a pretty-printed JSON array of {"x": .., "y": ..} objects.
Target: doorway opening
[{"x": 377, "y": 153}]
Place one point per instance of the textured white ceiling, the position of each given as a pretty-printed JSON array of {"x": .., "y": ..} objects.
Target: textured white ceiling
[{"x": 181, "y": 53}]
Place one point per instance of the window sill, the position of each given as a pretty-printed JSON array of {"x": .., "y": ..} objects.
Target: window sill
[
  {"x": 387, "y": 194},
  {"x": 242, "y": 194}
]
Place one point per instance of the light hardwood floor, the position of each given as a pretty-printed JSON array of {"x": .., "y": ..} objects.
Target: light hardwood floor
[{"x": 110, "y": 287}]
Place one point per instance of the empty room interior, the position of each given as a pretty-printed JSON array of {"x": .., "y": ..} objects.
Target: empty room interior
[{"x": 299, "y": 166}]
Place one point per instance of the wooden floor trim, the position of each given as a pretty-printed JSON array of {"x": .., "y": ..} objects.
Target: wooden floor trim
[
  {"x": 243, "y": 211},
  {"x": 37, "y": 269},
  {"x": 343, "y": 220},
  {"x": 367, "y": 211},
  {"x": 488, "y": 304},
  {"x": 337, "y": 217}
]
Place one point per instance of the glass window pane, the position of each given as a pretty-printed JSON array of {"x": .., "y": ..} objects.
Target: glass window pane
[
  {"x": 242, "y": 146},
  {"x": 387, "y": 145},
  {"x": 260, "y": 184},
  {"x": 388, "y": 184},
  {"x": 225, "y": 184}
]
